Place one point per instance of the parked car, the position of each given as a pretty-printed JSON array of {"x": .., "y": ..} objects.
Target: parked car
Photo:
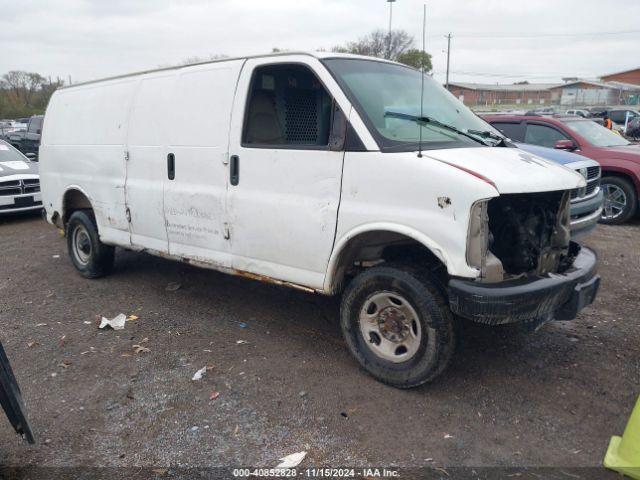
[
  {"x": 11, "y": 399},
  {"x": 579, "y": 113},
  {"x": 319, "y": 172},
  {"x": 633, "y": 129},
  {"x": 586, "y": 203},
  {"x": 15, "y": 136},
  {"x": 28, "y": 140},
  {"x": 31, "y": 140},
  {"x": 19, "y": 182},
  {"x": 619, "y": 158},
  {"x": 618, "y": 115}
]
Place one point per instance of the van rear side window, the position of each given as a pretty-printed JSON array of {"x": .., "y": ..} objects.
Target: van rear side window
[{"x": 287, "y": 106}]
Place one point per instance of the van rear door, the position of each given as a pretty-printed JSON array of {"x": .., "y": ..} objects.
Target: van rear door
[{"x": 284, "y": 180}]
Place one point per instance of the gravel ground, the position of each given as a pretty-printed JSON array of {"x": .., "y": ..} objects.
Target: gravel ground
[{"x": 551, "y": 398}]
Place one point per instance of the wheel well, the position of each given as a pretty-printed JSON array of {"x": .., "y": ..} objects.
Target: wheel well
[
  {"x": 372, "y": 248},
  {"x": 624, "y": 176},
  {"x": 74, "y": 200}
]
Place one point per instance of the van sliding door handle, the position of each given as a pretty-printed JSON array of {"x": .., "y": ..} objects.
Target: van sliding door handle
[
  {"x": 234, "y": 170},
  {"x": 171, "y": 166}
]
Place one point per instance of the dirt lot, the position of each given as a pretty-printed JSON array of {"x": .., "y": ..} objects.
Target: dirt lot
[{"x": 552, "y": 398}]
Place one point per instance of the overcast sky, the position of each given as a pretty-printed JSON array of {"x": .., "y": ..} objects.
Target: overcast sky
[{"x": 493, "y": 40}]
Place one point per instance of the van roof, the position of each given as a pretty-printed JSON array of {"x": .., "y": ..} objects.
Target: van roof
[{"x": 319, "y": 55}]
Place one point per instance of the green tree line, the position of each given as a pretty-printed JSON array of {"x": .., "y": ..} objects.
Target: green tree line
[{"x": 23, "y": 94}]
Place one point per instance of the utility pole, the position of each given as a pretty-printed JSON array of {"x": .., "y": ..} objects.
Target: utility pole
[
  {"x": 390, "y": 2},
  {"x": 448, "y": 58}
]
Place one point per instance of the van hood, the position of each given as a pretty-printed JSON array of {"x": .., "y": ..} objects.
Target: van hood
[{"x": 511, "y": 170}]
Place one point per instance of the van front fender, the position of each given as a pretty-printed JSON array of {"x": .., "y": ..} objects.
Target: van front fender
[{"x": 333, "y": 276}]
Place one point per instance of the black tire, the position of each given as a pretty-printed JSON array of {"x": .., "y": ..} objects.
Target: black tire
[
  {"x": 89, "y": 255},
  {"x": 631, "y": 200},
  {"x": 436, "y": 333}
]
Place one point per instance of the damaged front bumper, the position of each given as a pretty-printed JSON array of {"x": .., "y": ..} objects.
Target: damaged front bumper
[{"x": 529, "y": 299}]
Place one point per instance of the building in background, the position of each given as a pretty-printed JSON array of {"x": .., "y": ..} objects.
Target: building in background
[
  {"x": 621, "y": 88},
  {"x": 583, "y": 92},
  {"x": 502, "y": 94},
  {"x": 628, "y": 76}
]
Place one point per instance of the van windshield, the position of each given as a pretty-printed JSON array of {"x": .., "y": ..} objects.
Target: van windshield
[{"x": 387, "y": 96}]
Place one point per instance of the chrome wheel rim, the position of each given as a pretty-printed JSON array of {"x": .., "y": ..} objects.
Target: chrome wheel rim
[
  {"x": 390, "y": 326},
  {"x": 615, "y": 201},
  {"x": 81, "y": 243}
]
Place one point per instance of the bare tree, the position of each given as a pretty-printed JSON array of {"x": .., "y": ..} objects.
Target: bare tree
[
  {"x": 380, "y": 44},
  {"x": 21, "y": 87}
]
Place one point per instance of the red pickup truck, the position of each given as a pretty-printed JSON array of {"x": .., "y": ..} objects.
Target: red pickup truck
[{"x": 619, "y": 158}]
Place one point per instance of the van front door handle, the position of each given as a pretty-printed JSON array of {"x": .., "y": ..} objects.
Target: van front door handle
[
  {"x": 171, "y": 166},
  {"x": 234, "y": 170}
]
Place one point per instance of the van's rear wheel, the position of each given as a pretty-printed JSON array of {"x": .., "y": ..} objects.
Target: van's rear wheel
[
  {"x": 398, "y": 325},
  {"x": 89, "y": 255}
]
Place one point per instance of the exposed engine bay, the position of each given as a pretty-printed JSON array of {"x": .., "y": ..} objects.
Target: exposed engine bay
[{"x": 522, "y": 234}]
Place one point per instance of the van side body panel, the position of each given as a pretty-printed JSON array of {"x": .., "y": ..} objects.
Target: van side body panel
[{"x": 83, "y": 146}]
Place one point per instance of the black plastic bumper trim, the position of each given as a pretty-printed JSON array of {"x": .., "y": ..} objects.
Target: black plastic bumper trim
[{"x": 534, "y": 298}]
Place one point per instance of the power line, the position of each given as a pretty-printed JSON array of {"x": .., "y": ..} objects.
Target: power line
[
  {"x": 539, "y": 35},
  {"x": 534, "y": 35}
]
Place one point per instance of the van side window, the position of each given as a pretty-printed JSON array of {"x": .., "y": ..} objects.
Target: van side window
[{"x": 287, "y": 105}]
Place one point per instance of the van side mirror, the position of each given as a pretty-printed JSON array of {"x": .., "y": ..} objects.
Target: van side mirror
[
  {"x": 31, "y": 155},
  {"x": 338, "y": 129},
  {"x": 565, "y": 145}
]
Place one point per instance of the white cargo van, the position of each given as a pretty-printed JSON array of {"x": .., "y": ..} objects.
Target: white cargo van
[{"x": 321, "y": 172}]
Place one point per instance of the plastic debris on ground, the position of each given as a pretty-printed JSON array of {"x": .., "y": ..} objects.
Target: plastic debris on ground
[
  {"x": 132, "y": 318},
  {"x": 213, "y": 395},
  {"x": 291, "y": 461},
  {"x": 241, "y": 342},
  {"x": 199, "y": 374},
  {"x": 243, "y": 325},
  {"x": 141, "y": 349},
  {"x": 117, "y": 323},
  {"x": 172, "y": 287}
]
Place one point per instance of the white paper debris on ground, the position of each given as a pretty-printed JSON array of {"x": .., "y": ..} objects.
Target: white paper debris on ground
[
  {"x": 291, "y": 461},
  {"x": 199, "y": 374},
  {"x": 241, "y": 342},
  {"x": 117, "y": 323}
]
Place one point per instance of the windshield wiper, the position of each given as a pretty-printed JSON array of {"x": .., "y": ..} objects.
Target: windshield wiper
[
  {"x": 425, "y": 119},
  {"x": 491, "y": 135}
]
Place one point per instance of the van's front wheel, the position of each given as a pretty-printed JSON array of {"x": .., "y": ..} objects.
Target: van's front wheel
[
  {"x": 398, "y": 325},
  {"x": 89, "y": 255}
]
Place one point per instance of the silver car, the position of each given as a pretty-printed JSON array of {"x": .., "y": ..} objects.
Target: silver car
[{"x": 19, "y": 181}]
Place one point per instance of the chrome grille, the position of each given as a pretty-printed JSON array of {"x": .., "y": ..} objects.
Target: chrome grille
[
  {"x": 19, "y": 187},
  {"x": 593, "y": 184}
]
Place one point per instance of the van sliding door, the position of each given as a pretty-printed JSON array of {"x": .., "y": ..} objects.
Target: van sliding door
[
  {"x": 195, "y": 185},
  {"x": 147, "y": 150}
]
